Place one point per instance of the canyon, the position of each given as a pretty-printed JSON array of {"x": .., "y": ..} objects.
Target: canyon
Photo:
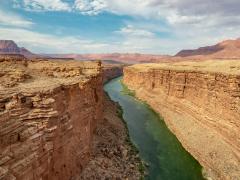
[
  {"x": 111, "y": 71},
  {"x": 53, "y": 123},
  {"x": 56, "y": 122},
  {"x": 200, "y": 103}
]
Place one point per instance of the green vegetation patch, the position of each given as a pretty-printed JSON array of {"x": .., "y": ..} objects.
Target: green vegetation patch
[{"x": 126, "y": 90}]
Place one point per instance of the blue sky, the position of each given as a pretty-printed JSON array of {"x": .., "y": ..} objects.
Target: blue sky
[{"x": 106, "y": 26}]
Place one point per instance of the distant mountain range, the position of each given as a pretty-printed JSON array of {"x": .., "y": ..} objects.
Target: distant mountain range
[
  {"x": 229, "y": 49},
  {"x": 119, "y": 57}
]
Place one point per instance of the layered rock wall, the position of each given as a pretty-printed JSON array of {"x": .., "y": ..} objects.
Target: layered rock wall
[
  {"x": 200, "y": 104},
  {"x": 47, "y": 120},
  {"x": 112, "y": 71}
]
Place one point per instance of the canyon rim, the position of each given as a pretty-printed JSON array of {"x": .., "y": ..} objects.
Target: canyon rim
[
  {"x": 53, "y": 122},
  {"x": 200, "y": 104}
]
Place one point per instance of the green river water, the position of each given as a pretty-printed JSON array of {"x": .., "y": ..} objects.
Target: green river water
[{"x": 157, "y": 146}]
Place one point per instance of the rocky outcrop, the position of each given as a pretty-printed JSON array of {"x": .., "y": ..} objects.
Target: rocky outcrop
[
  {"x": 200, "y": 103},
  {"x": 48, "y": 112},
  {"x": 10, "y": 47}
]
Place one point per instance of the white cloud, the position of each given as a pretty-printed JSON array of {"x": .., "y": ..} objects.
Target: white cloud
[
  {"x": 44, "y": 5},
  {"x": 129, "y": 30},
  {"x": 175, "y": 12},
  {"x": 175, "y": 19},
  {"x": 11, "y": 19},
  {"x": 90, "y": 7},
  {"x": 181, "y": 37},
  {"x": 46, "y": 43},
  {"x": 191, "y": 23}
]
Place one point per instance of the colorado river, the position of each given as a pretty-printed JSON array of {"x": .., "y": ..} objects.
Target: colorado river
[{"x": 157, "y": 146}]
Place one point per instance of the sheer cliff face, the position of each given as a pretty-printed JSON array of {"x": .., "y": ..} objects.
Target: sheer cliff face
[
  {"x": 112, "y": 71},
  {"x": 48, "y": 112},
  {"x": 200, "y": 103}
]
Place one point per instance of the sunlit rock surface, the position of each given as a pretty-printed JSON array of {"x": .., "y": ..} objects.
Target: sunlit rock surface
[
  {"x": 200, "y": 103},
  {"x": 48, "y": 112}
]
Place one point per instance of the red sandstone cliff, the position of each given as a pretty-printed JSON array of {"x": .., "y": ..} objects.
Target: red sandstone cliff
[
  {"x": 200, "y": 103},
  {"x": 48, "y": 112}
]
